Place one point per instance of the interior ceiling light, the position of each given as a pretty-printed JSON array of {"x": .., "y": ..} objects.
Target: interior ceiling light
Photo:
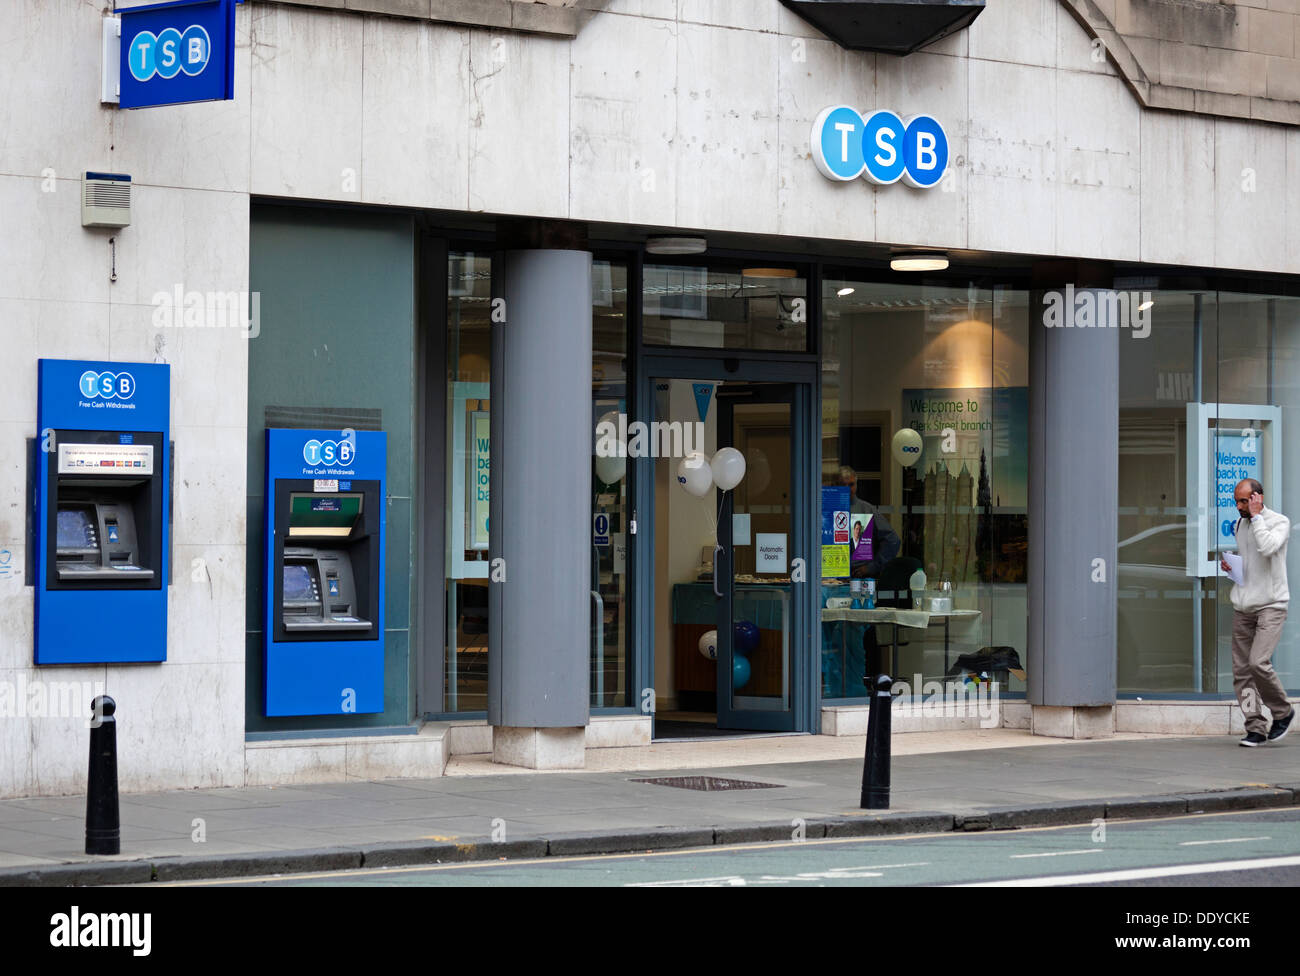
[
  {"x": 919, "y": 261},
  {"x": 1145, "y": 305},
  {"x": 845, "y": 292},
  {"x": 676, "y": 245},
  {"x": 768, "y": 273}
]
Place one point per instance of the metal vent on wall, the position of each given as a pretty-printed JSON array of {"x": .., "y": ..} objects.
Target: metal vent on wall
[
  {"x": 100, "y": 194},
  {"x": 888, "y": 26},
  {"x": 325, "y": 418}
]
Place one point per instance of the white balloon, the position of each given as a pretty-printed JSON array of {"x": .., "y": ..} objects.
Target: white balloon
[
  {"x": 694, "y": 474},
  {"x": 709, "y": 644},
  {"x": 610, "y": 470},
  {"x": 728, "y": 467},
  {"x": 906, "y": 447},
  {"x": 611, "y": 452}
]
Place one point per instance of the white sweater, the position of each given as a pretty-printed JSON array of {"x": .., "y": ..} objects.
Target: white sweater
[{"x": 1261, "y": 541}]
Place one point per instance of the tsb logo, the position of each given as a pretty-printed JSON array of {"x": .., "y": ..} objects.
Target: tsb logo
[
  {"x": 328, "y": 452},
  {"x": 910, "y": 449},
  {"x": 880, "y": 146},
  {"x": 169, "y": 52},
  {"x": 107, "y": 385}
]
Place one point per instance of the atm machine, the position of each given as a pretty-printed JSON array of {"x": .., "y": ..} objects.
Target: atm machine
[
  {"x": 100, "y": 512},
  {"x": 324, "y": 579}
]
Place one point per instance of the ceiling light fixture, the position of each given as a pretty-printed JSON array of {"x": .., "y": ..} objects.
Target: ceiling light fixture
[
  {"x": 845, "y": 292},
  {"x": 768, "y": 272},
  {"x": 1145, "y": 305},
  {"x": 676, "y": 245},
  {"x": 918, "y": 261}
]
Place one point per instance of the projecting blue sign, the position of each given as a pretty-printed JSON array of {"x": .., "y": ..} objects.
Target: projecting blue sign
[
  {"x": 181, "y": 51},
  {"x": 880, "y": 146}
]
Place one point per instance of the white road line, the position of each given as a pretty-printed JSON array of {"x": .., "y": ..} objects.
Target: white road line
[
  {"x": 1138, "y": 874},
  {"x": 1229, "y": 840},
  {"x": 1090, "y": 850}
]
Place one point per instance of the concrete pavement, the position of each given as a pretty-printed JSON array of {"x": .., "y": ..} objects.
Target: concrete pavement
[{"x": 231, "y": 832}]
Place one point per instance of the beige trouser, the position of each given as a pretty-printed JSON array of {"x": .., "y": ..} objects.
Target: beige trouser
[{"x": 1254, "y": 638}]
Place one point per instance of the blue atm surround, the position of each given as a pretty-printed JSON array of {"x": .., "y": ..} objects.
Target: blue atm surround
[
  {"x": 325, "y": 521},
  {"x": 100, "y": 426}
]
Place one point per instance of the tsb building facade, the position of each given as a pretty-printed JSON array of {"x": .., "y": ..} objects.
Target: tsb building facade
[{"x": 528, "y": 378}]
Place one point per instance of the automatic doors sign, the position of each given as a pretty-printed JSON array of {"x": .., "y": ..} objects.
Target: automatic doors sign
[
  {"x": 880, "y": 146},
  {"x": 316, "y": 452},
  {"x": 106, "y": 385},
  {"x": 177, "y": 52}
]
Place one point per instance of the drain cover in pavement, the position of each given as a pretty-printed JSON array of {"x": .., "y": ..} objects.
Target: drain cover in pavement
[{"x": 709, "y": 783}]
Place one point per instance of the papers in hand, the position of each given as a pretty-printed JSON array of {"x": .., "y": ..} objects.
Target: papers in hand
[{"x": 1234, "y": 567}]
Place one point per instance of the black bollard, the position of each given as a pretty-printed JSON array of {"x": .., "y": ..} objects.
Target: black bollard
[
  {"x": 875, "y": 770},
  {"x": 103, "y": 823}
]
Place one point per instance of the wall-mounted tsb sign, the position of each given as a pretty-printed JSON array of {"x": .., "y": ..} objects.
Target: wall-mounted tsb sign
[
  {"x": 880, "y": 146},
  {"x": 108, "y": 385},
  {"x": 181, "y": 51},
  {"x": 329, "y": 451}
]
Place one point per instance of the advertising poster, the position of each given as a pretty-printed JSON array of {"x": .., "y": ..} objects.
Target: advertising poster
[
  {"x": 971, "y": 488},
  {"x": 479, "y": 476},
  {"x": 860, "y": 538},
  {"x": 835, "y": 515},
  {"x": 1236, "y": 458}
]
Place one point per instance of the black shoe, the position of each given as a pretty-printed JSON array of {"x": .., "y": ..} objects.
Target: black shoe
[
  {"x": 1253, "y": 739},
  {"x": 1281, "y": 727}
]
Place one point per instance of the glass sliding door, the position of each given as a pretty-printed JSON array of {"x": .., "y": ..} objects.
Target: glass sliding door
[{"x": 730, "y": 564}]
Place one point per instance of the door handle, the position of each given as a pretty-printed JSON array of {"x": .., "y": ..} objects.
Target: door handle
[{"x": 716, "y": 592}]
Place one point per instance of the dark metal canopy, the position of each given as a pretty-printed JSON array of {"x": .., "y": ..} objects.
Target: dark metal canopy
[{"x": 888, "y": 26}]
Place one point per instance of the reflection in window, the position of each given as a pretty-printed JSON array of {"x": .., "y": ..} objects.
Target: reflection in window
[
  {"x": 737, "y": 308},
  {"x": 469, "y": 284},
  {"x": 1213, "y": 360},
  {"x": 948, "y": 501},
  {"x": 609, "y": 562}
]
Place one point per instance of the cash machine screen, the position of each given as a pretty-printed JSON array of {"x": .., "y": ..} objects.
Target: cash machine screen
[
  {"x": 75, "y": 530},
  {"x": 298, "y": 585}
]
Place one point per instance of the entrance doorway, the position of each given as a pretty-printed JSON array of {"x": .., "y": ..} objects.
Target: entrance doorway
[{"x": 730, "y": 565}]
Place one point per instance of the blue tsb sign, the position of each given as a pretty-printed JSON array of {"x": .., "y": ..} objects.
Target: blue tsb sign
[
  {"x": 880, "y": 146},
  {"x": 183, "y": 51}
]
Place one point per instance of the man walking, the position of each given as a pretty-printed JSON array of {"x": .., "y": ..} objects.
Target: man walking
[{"x": 1259, "y": 611}]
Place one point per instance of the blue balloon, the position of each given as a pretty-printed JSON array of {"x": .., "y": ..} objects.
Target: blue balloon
[
  {"x": 739, "y": 672},
  {"x": 746, "y": 636}
]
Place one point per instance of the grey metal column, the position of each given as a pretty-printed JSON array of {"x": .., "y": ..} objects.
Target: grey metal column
[
  {"x": 1073, "y": 499},
  {"x": 540, "y": 509}
]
